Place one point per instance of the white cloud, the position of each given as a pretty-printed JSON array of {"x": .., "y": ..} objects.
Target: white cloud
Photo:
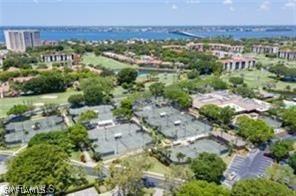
[
  {"x": 36, "y": 1},
  {"x": 231, "y": 8},
  {"x": 264, "y": 6},
  {"x": 192, "y": 1},
  {"x": 227, "y": 2},
  {"x": 290, "y": 4},
  {"x": 174, "y": 7}
]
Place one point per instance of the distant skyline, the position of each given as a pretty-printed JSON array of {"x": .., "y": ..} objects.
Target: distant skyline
[{"x": 146, "y": 12}]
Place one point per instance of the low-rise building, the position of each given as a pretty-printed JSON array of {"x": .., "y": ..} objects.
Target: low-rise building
[
  {"x": 288, "y": 54},
  {"x": 224, "y": 99},
  {"x": 201, "y": 47},
  {"x": 265, "y": 49},
  {"x": 238, "y": 63},
  {"x": 69, "y": 59}
]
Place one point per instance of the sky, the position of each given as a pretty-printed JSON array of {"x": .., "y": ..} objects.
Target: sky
[{"x": 146, "y": 12}]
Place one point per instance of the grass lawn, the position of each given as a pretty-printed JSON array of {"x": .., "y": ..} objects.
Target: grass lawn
[
  {"x": 109, "y": 63},
  {"x": 156, "y": 166},
  {"x": 268, "y": 61},
  {"x": 258, "y": 78},
  {"x": 37, "y": 100},
  {"x": 75, "y": 155}
]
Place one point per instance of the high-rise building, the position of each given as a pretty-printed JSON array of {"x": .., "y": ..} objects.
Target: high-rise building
[{"x": 20, "y": 40}]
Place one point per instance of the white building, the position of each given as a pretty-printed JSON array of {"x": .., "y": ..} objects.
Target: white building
[
  {"x": 238, "y": 63},
  {"x": 265, "y": 49},
  {"x": 20, "y": 40}
]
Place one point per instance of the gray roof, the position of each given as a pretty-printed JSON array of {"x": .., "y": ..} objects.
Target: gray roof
[
  {"x": 22, "y": 132},
  {"x": 188, "y": 127},
  {"x": 199, "y": 146},
  {"x": 132, "y": 138}
]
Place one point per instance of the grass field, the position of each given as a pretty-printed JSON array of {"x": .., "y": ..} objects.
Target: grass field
[
  {"x": 259, "y": 78},
  {"x": 37, "y": 100},
  {"x": 273, "y": 61},
  {"x": 156, "y": 166},
  {"x": 109, "y": 63}
]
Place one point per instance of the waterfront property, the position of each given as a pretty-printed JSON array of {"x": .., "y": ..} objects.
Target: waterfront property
[
  {"x": 170, "y": 122},
  {"x": 22, "y": 132},
  {"x": 20, "y": 40},
  {"x": 201, "y": 47},
  {"x": 119, "y": 139},
  {"x": 241, "y": 167},
  {"x": 225, "y": 98},
  {"x": 238, "y": 63}
]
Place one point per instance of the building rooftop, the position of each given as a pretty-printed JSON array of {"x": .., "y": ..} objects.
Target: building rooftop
[{"x": 224, "y": 98}]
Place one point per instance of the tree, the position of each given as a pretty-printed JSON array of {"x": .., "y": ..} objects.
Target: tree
[
  {"x": 96, "y": 90},
  {"x": 180, "y": 156},
  {"x": 198, "y": 188},
  {"x": 244, "y": 91},
  {"x": 282, "y": 174},
  {"x": 127, "y": 75},
  {"x": 57, "y": 138},
  {"x": 177, "y": 95},
  {"x": 236, "y": 81},
  {"x": 78, "y": 134},
  {"x": 18, "y": 109},
  {"x": 289, "y": 118},
  {"x": 87, "y": 116},
  {"x": 76, "y": 100},
  {"x": 281, "y": 149},
  {"x": 256, "y": 131},
  {"x": 43, "y": 165},
  {"x": 292, "y": 162},
  {"x": 125, "y": 110},
  {"x": 226, "y": 115},
  {"x": 128, "y": 177},
  {"x": 209, "y": 167},
  {"x": 259, "y": 187},
  {"x": 157, "y": 89}
]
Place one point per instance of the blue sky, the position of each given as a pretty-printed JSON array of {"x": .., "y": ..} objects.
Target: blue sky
[{"x": 147, "y": 12}]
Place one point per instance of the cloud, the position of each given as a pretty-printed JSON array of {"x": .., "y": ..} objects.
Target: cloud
[
  {"x": 290, "y": 4},
  {"x": 36, "y": 1},
  {"x": 227, "y": 2},
  {"x": 174, "y": 7},
  {"x": 192, "y": 1},
  {"x": 265, "y": 6},
  {"x": 231, "y": 8}
]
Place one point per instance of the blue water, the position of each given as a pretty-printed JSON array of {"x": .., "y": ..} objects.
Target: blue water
[{"x": 88, "y": 33}]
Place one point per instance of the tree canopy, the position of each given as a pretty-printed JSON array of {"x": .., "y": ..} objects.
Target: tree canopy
[
  {"x": 157, "y": 89},
  {"x": 289, "y": 118},
  {"x": 78, "y": 134},
  {"x": 280, "y": 149},
  {"x": 41, "y": 165},
  {"x": 204, "y": 188},
  {"x": 256, "y": 131},
  {"x": 217, "y": 114},
  {"x": 208, "y": 167},
  {"x": 259, "y": 187},
  {"x": 127, "y": 75}
]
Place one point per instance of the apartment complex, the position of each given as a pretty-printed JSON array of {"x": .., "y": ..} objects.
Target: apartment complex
[
  {"x": 66, "y": 59},
  {"x": 238, "y": 63},
  {"x": 201, "y": 47},
  {"x": 265, "y": 49},
  {"x": 20, "y": 40}
]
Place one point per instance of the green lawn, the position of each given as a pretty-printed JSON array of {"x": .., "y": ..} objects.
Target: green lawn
[
  {"x": 258, "y": 79},
  {"x": 268, "y": 61},
  {"x": 37, "y": 100},
  {"x": 109, "y": 63},
  {"x": 156, "y": 166}
]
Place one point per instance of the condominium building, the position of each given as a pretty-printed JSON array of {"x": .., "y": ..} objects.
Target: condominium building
[
  {"x": 201, "y": 47},
  {"x": 66, "y": 59},
  {"x": 288, "y": 54},
  {"x": 238, "y": 63},
  {"x": 20, "y": 40},
  {"x": 265, "y": 49}
]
